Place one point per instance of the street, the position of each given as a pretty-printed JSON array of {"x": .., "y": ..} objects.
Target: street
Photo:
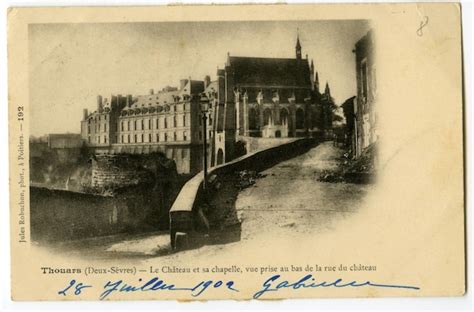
[{"x": 289, "y": 201}]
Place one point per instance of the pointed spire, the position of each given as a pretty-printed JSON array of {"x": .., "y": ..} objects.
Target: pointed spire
[
  {"x": 298, "y": 45},
  {"x": 316, "y": 82},
  {"x": 312, "y": 66},
  {"x": 327, "y": 91}
]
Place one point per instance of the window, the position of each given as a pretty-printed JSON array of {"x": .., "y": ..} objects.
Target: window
[
  {"x": 88, "y": 129},
  {"x": 175, "y": 137},
  {"x": 135, "y": 139},
  {"x": 157, "y": 137},
  {"x": 166, "y": 123},
  {"x": 105, "y": 127},
  {"x": 99, "y": 127},
  {"x": 135, "y": 125},
  {"x": 128, "y": 139},
  {"x": 184, "y": 120},
  {"x": 185, "y": 137},
  {"x": 121, "y": 126},
  {"x": 149, "y": 137},
  {"x": 105, "y": 117},
  {"x": 128, "y": 127},
  {"x": 143, "y": 125},
  {"x": 175, "y": 122},
  {"x": 149, "y": 124},
  {"x": 157, "y": 123},
  {"x": 105, "y": 139},
  {"x": 166, "y": 137},
  {"x": 210, "y": 120}
]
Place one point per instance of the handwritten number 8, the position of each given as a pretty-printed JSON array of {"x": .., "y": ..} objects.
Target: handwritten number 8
[{"x": 79, "y": 288}]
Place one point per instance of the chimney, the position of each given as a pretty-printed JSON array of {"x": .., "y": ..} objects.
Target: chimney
[
  {"x": 129, "y": 100},
  {"x": 85, "y": 114},
  {"x": 182, "y": 83},
  {"x": 207, "y": 81},
  {"x": 152, "y": 91},
  {"x": 99, "y": 102}
]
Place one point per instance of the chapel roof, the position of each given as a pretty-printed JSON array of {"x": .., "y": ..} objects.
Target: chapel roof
[{"x": 255, "y": 71}]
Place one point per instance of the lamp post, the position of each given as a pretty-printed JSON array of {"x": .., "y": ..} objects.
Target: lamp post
[{"x": 204, "y": 105}]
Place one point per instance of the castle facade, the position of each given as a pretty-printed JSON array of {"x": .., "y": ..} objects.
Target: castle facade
[{"x": 251, "y": 97}]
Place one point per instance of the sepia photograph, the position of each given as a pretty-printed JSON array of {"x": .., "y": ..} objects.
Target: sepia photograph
[
  {"x": 236, "y": 152},
  {"x": 150, "y": 138}
]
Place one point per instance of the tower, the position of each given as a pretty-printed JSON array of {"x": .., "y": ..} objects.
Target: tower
[
  {"x": 327, "y": 91},
  {"x": 316, "y": 82},
  {"x": 298, "y": 47}
]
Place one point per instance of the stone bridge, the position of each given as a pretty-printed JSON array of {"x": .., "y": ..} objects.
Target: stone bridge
[{"x": 198, "y": 213}]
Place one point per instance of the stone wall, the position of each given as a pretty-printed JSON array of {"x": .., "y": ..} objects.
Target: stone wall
[
  {"x": 58, "y": 215},
  {"x": 117, "y": 171},
  {"x": 132, "y": 193},
  {"x": 253, "y": 144},
  {"x": 187, "y": 157}
]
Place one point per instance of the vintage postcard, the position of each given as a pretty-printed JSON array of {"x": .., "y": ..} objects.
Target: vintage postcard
[{"x": 245, "y": 152}]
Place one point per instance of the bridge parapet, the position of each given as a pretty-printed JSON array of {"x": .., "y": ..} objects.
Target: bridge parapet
[{"x": 185, "y": 209}]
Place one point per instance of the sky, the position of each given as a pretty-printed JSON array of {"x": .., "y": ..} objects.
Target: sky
[{"x": 70, "y": 64}]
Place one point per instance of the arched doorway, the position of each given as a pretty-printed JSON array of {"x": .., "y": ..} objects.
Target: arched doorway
[
  {"x": 299, "y": 118},
  {"x": 220, "y": 157},
  {"x": 278, "y": 134}
]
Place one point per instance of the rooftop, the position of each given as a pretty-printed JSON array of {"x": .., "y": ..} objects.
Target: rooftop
[{"x": 255, "y": 71}]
